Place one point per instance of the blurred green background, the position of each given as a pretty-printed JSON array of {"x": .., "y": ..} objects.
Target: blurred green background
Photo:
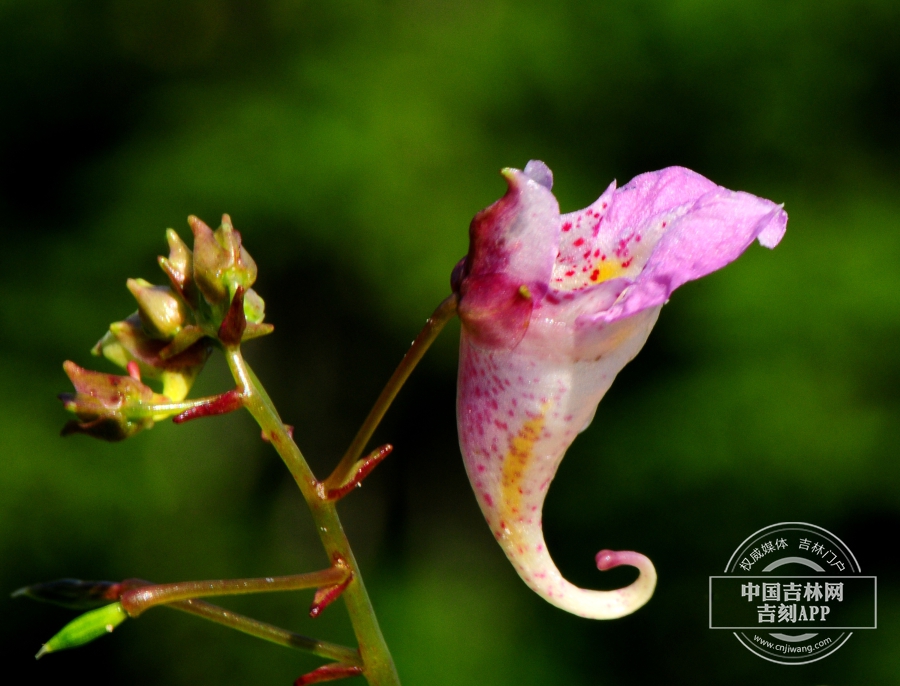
[{"x": 351, "y": 142}]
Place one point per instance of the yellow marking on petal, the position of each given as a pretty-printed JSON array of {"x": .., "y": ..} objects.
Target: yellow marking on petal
[
  {"x": 599, "y": 271},
  {"x": 608, "y": 269},
  {"x": 515, "y": 465}
]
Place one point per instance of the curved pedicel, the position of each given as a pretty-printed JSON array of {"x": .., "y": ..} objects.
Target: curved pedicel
[{"x": 552, "y": 307}]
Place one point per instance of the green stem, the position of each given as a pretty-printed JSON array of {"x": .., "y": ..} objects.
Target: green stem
[
  {"x": 378, "y": 665},
  {"x": 137, "y": 600},
  {"x": 444, "y": 312},
  {"x": 267, "y": 632}
]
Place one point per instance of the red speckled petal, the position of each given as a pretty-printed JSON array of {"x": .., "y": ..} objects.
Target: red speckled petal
[
  {"x": 699, "y": 239},
  {"x": 615, "y": 236},
  {"x": 518, "y": 411}
]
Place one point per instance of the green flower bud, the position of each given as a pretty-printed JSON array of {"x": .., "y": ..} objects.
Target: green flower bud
[
  {"x": 162, "y": 312},
  {"x": 86, "y": 628},
  {"x": 183, "y": 340},
  {"x": 220, "y": 262}
]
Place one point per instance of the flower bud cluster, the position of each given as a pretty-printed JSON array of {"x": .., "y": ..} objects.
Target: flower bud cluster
[{"x": 208, "y": 301}]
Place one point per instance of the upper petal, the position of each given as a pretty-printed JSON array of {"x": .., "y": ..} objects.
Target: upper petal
[
  {"x": 714, "y": 231},
  {"x": 615, "y": 235},
  {"x": 659, "y": 231},
  {"x": 622, "y": 234}
]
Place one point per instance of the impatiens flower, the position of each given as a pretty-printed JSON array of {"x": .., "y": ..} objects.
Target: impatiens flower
[{"x": 552, "y": 307}]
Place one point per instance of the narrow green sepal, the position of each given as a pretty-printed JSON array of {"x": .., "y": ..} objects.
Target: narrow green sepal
[{"x": 86, "y": 628}]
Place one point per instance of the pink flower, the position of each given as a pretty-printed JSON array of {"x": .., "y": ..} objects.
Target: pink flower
[{"x": 552, "y": 307}]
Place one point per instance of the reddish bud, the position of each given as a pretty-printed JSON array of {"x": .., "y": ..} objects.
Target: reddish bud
[
  {"x": 134, "y": 371},
  {"x": 179, "y": 267},
  {"x": 127, "y": 341},
  {"x": 108, "y": 406}
]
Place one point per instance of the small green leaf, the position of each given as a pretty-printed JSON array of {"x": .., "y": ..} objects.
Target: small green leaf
[{"x": 85, "y": 629}]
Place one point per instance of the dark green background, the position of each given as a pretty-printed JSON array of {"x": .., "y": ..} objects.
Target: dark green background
[{"x": 352, "y": 142}]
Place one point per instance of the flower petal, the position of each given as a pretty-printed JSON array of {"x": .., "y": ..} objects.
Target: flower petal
[
  {"x": 584, "y": 254},
  {"x": 512, "y": 250},
  {"x": 518, "y": 411},
  {"x": 617, "y": 234},
  {"x": 712, "y": 232}
]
